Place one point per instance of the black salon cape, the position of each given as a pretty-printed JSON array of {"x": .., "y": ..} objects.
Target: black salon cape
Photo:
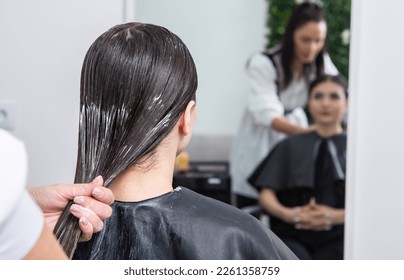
[
  {"x": 182, "y": 225},
  {"x": 291, "y": 163},
  {"x": 289, "y": 170}
]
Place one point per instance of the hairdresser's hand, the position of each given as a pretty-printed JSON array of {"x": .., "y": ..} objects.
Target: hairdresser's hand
[{"x": 91, "y": 204}]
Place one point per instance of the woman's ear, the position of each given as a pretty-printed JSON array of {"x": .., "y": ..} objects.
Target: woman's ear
[{"x": 187, "y": 119}]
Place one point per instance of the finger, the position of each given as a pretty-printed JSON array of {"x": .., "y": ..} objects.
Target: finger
[
  {"x": 100, "y": 209},
  {"x": 307, "y": 227},
  {"x": 305, "y": 218},
  {"x": 103, "y": 195},
  {"x": 321, "y": 228},
  {"x": 84, "y": 189},
  {"x": 86, "y": 229},
  {"x": 298, "y": 226},
  {"x": 304, "y": 226},
  {"x": 80, "y": 212},
  {"x": 98, "y": 181}
]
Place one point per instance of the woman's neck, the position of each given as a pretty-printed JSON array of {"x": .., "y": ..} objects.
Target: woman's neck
[
  {"x": 326, "y": 131},
  {"x": 141, "y": 182}
]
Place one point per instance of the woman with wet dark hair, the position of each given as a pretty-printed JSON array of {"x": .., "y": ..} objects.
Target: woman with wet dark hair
[
  {"x": 137, "y": 113},
  {"x": 279, "y": 79}
]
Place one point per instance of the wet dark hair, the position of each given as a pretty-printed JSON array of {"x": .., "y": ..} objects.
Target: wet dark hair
[
  {"x": 136, "y": 81},
  {"x": 301, "y": 14},
  {"x": 338, "y": 79}
]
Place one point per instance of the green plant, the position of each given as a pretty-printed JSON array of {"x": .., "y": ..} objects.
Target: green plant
[{"x": 337, "y": 13}]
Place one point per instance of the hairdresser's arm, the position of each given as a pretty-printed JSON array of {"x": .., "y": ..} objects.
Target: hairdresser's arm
[
  {"x": 46, "y": 247},
  {"x": 91, "y": 204},
  {"x": 281, "y": 124},
  {"x": 263, "y": 103}
]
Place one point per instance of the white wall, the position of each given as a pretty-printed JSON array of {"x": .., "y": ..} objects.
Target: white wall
[
  {"x": 220, "y": 34},
  {"x": 43, "y": 43},
  {"x": 375, "y": 185}
]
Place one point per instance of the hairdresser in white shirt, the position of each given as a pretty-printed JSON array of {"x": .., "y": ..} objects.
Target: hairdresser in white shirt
[{"x": 28, "y": 216}]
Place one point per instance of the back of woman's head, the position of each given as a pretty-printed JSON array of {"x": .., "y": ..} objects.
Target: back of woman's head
[
  {"x": 136, "y": 81},
  {"x": 301, "y": 14}
]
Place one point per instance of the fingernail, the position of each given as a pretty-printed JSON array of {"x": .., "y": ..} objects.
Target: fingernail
[
  {"x": 79, "y": 199},
  {"x": 75, "y": 208},
  {"x": 312, "y": 201},
  {"x": 97, "y": 180},
  {"x": 83, "y": 221},
  {"x": 98, "y": 192}
]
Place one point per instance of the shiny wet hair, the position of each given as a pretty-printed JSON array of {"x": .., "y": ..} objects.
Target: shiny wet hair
[
  {"x": 301, "y": 14},
  {"x": 136, "y": 81}
]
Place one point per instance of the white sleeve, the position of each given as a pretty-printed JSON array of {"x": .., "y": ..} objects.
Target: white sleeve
[
  {"x": 22, "y": 228},
  {"x": 329, "y": 67},
  {"x": 21, "y": 220},
  {"x": 13, "y": 171},
  {"x": 263, "y": 103}
]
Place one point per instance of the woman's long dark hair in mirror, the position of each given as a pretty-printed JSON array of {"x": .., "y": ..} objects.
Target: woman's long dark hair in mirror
[
  {"x": 301, "y": 15},
  {"x": 136, "y": 81}
]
